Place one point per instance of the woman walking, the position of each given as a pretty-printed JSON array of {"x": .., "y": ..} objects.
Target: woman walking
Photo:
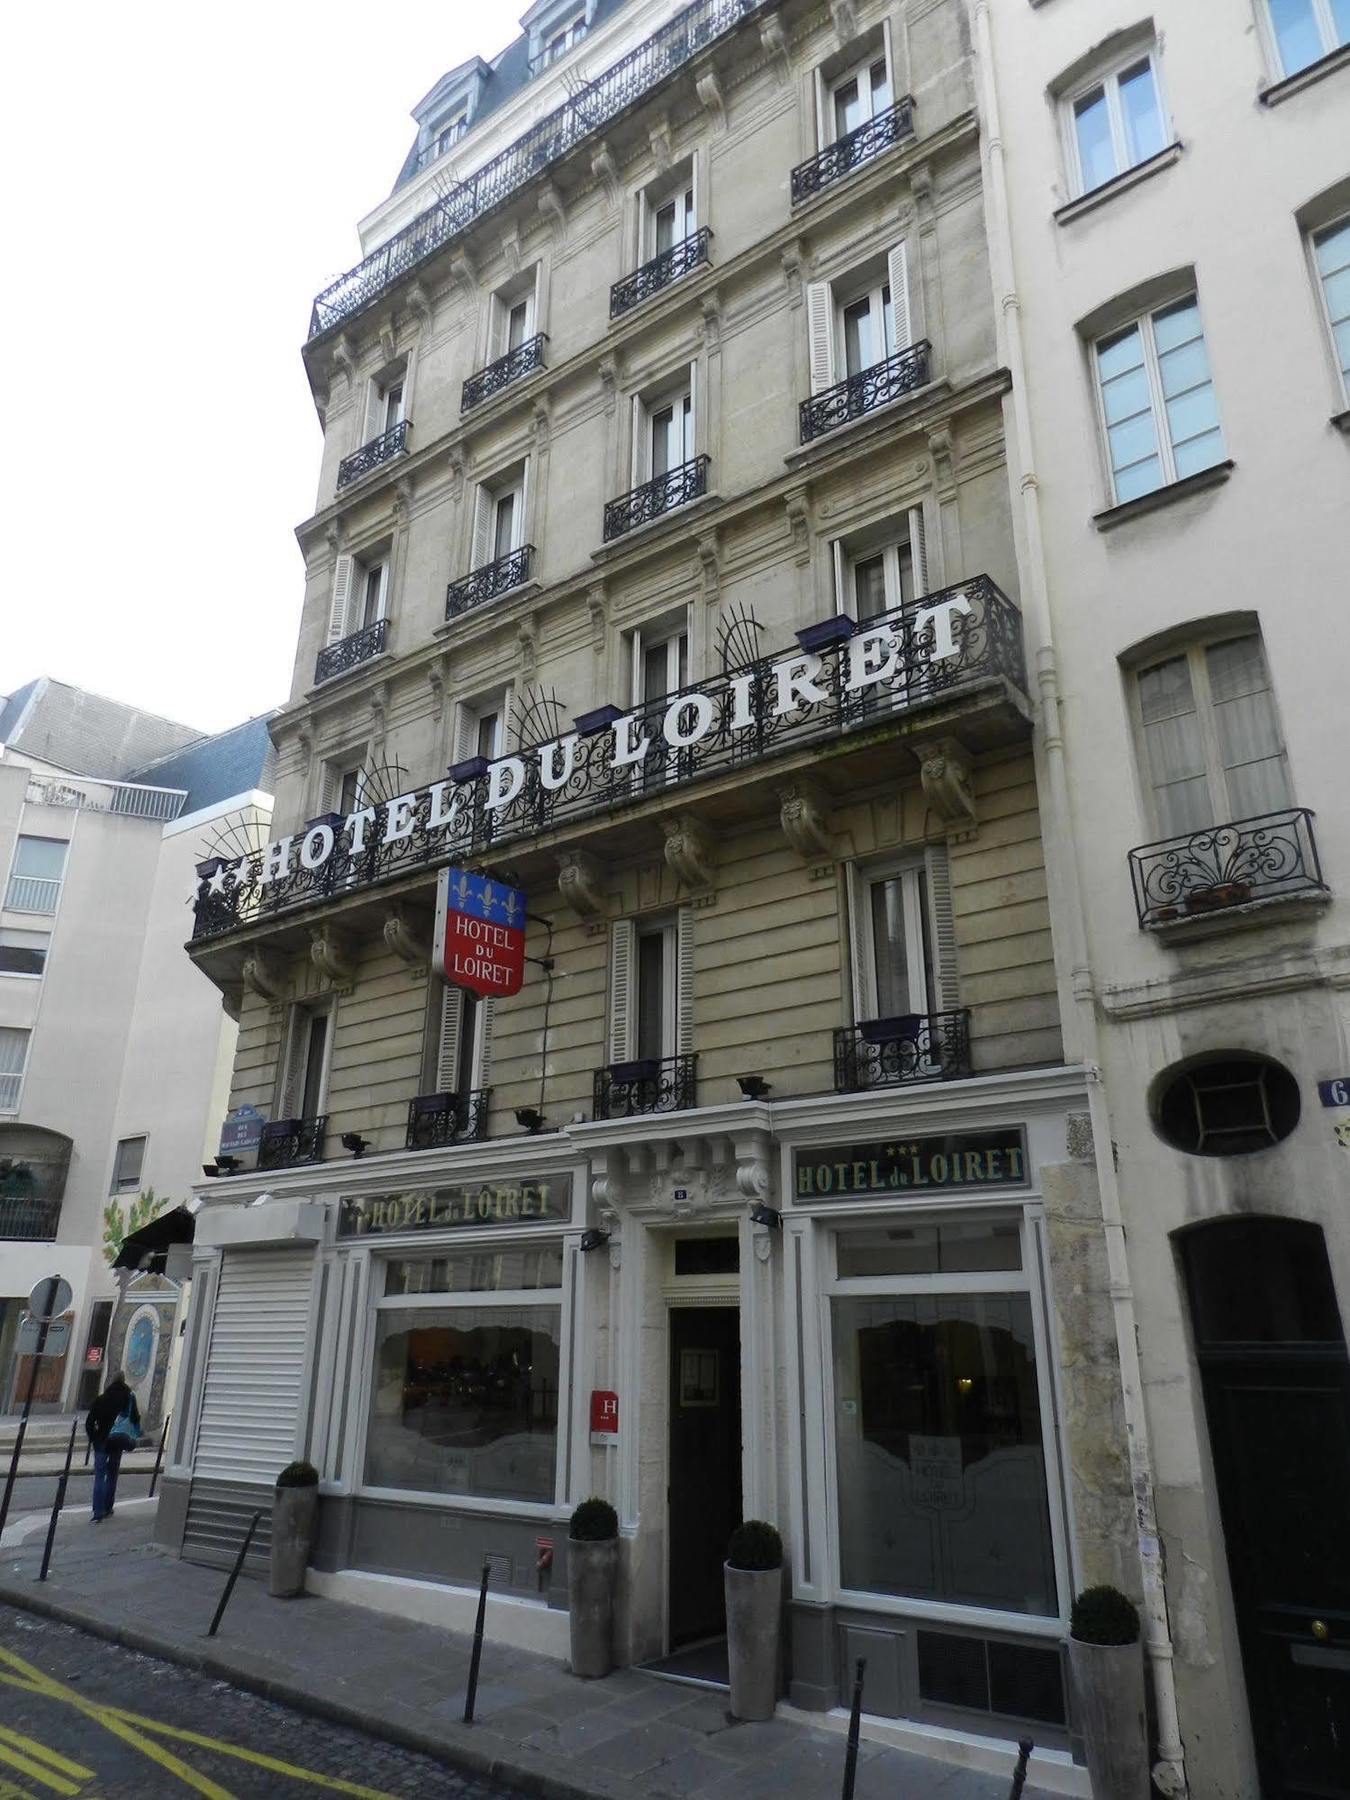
[{"x": 113, "y": 1425}]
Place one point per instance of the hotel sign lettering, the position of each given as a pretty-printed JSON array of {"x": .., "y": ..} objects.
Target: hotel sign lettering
[
  {"x": 940, "y": 1163},
  {"x": 546, "y": 1200},
  {"x": 480, "y": 933}
]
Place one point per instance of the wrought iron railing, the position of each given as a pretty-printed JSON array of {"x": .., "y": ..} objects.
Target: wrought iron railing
[
  {"x": 660, "y": 272},
  {"x": 686, "y": 482},
  {"x": 348, "y": 652},
  {"x": 382, "y": 449},
  {"x": 24, "y": 1216},
  {"x": 862, "y": 393},
  {"x": 497, "y": 375},
  {"x": 582, "y": 115},
  {"x": 589, "y": 778},
  {"x": 285, "y": 1143},
  {"x": 854, "y": 149},
  {"x": 435, "y": 1120},
  {"x": 481, "y": 585},
  {"x": 1266, "y": 858},
  {"x": 33, "y": 893},
  {"x": 895, "y": 1052},
  {"x": 649, "y": 1085}
]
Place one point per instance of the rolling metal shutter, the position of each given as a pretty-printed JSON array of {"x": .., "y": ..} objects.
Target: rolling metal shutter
[{"x": 255, "y": 1365}]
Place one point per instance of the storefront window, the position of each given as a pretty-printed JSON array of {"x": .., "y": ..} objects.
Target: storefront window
[{"x": 940, "y": 1461}]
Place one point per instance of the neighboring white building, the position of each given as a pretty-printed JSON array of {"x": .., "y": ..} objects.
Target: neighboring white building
[
  {"x": 114, "y": 1052},
  {"x": 1169, "y": 207}
]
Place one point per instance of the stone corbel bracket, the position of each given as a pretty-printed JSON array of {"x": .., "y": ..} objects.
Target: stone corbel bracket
[
  {"x": 754, "y": 1166},
  {"x": 404, "y": 941},
  {"x": 388, "y": 340},
  {"x": 606, "y": 172},
  {"x": 552, "y": 209},
  {"x": 944, "y": 769},
  {"x": 332, "y": 954},
  {"x": 774, "y": 40},
  {"x": 689, "y": 850},
  {"x": 845, "y": 16},
  {"x": 581, "y": 879},
  {"x": 418, "y": 303},
  {"x": 263, "y": 975},
  {"x": 464, "y": 273},
  {"x": 709, "y": 90},
  {"x": 804, "y": 811}
]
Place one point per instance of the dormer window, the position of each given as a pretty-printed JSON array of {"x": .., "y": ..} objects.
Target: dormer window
[
  {"x": 447, "y": 113},
  {"x": 559, "y": 42},
  {"x": 452, "y": 131},
  {"x": 553, "y": 27}
]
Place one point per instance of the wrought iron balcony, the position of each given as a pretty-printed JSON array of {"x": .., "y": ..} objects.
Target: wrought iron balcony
[
  {"x": 382, "y": 449},
  {"x": 1271, "y": 857},
  {"x": 435, "y": 1120},
  {"x": 285, "y": 1143},
  {"x": 862, "y": 393},
  {"x": 660, "y": 272},
  {"x": 348, "y": 652},
  {"x": 677, "y": 487},
  {"x": 897, "y": 1052},
  {"x": 582, "y": 115},
  {"x": 27, "y": 1216},
  {"x": 854, "y": 149},
  {"x": 497, "y": 375},
  {"x": 482, "y": 585},
  {"x": 649, "y": 1085}
]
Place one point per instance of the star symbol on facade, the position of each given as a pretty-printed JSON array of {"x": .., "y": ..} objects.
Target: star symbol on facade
[{"x": 216, "y": 885}]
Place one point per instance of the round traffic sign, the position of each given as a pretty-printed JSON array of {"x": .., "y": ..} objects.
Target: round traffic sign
[{"x": 50, "y": 1297}]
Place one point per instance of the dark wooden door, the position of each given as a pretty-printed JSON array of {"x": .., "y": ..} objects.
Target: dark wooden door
[
  {"x": 705, "y": 1464},
  {"x": 1277, "y": 1399}
]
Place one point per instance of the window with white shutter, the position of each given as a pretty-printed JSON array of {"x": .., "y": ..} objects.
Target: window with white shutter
[
  {"x": 303, "y": 1087},
  {"x": 859, "y": 320},
  {"x": 340, "y": 598},
  {"x": 902, "y": 960},
  {"x": 861, "y": 93},
  {"x": 664, "y": 429},
  {"x": 459, "y": 1039},
  {"x": 498, "y": 517},
  {"x": 650, "y": 988}
]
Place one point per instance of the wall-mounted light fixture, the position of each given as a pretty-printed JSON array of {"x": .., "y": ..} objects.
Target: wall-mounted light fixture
[
  {"x": 592, "y": 1239},
  {"x": 529, "y": 1118},
  {"x": 353, "y": 1141},
  {"x": 753, "y": 1087},
  {"x": 223, "y": 1165},
  {"x": 766, "y": 1215}
]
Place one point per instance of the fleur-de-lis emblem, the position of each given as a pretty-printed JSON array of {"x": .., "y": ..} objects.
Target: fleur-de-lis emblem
[
  {"x": 512, "y": 907},
  {"x": 460, "y": 888}
]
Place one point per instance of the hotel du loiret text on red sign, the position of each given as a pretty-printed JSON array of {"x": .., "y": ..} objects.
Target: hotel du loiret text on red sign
[{"x": 480, "y": 933}]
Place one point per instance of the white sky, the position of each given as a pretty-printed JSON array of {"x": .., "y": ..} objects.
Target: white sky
[{"x": 179, "y": 181}]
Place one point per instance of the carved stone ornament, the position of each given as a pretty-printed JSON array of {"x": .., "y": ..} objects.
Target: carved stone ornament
[
  {"x": 793, "y": 260},
  {"x": 581, "y": 883},
  {"x": 403, "y": 940},
  {"x": 552, "y": 208},
  {"x": 263, "y": 975},
  {"x": 343, "y": 356},
  {"x": 845, "y": 16},
  {"x": 804, "y": 812},
  {"x": 774, "y": 40},
  {"x": 511, "y": 246},
  {"x": 388, "y": 340},
  {"x": 418, "y": 303},
  {"x": 797, "y": 506},
  {"x": 944, "y": 769},
  {"x": 527, "y": 646},
  {"x": 331, "y": 953},
  {"x": 689, "y": 850},
  {"x": 606, "y": 172},
  {"x": 464, "y": 272},
  {"x": 709, "y": 562},
  {"x": 661, "y": 146},
  {"x": 709, "y": 90},
  {"x": 753, "y": 1178}
]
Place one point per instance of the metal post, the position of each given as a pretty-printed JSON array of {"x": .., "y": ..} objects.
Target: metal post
[
  {"x": 234, "y": 1574},
  {"x": 159, "y": 1456},
  {"x": 57, "y": 1504},
  {"x": 854, "y": 1725},
  {"x": 1024, "y": 1749},
  {"x": 476, "y": 1657},
  {"x": 23, "y": 1421}
]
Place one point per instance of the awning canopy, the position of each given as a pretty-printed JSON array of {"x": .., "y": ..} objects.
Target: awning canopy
[{"x": 146, "y": 1249}]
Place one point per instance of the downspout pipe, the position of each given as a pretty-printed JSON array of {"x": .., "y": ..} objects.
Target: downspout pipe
[{"x": 1082, "y": 1030}]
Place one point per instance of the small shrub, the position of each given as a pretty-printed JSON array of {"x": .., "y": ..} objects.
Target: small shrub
[
  {"x": 298, "y": 1474},
  {"x": 755, "y": 1545},
  {"x": 1103, "y": 1615},
  {"x": 594, "y": 1522}
]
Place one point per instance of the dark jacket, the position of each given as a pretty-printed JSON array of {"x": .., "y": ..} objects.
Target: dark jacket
[{"x": 107, "y": 1410}]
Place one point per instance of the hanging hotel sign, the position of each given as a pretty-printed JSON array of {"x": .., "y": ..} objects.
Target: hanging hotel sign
[
  {"x": 480, "y": 933},
  {"x": 546, "y": 1200},
  {"x": 936, "y": 1164}
]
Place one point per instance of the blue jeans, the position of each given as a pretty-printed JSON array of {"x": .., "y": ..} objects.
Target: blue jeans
[{"x": 107, "y": 1461}]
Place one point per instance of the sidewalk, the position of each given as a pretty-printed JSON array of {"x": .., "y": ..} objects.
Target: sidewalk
[{"x": 539, "y": 1729}]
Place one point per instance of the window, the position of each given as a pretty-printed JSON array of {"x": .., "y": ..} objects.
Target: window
[
  {"x": 459, "y": 1041},
  {"x": 874, "y": 573},
  {"x": 663, "y": 432},
  {"x": 862, "y": 94},
  {"x": 498, "y": 518},
  {"x": 559, "y": 39},
  {"x": 128, "y": 1165},
  {"x": 374, "y": 589},
  {"x": 467, "y": 1365},
  {"x": 650, "y": 989},
  {"x": 1158, "y": 406},
  {"x": 859, "y": 322},
  {"x": 902, "y": 955},
  {"x": 513, "y": 315},
  {"x": 1307, "y": 30},
  {"x": 304, "y": 1087},
  {"x": 1213, "y": 752},
  {"x": 1116, "y": 123},
  {"x": 360, "y": 595},
  {"x": 35, "y": 875},
  {"x": 1227, "y": 1106},
  {"x": 385, "y": 402},
  {"x": 897, "y": 944},
  {"x": 480, "y": 729},
  {"x": 940, "y": 1425},
  {"x": 669, "y": 218},
  {"x": 351, "y": 787},
  {"x": 13, "y": 1056},
  {"x": 452, "y": 131},
  {"x": 23, "y": 952},
  {"x": 1331, "y": 252}
]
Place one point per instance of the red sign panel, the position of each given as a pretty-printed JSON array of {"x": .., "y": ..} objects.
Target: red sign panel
[
  {"x": 604, "y": 1412},
  {"x": 480, "y": 933}
]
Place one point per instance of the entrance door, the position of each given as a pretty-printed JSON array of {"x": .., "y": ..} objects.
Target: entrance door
[
  {"x": 1277, "y": 1399},
  {"x": 705, "y": 1464}
]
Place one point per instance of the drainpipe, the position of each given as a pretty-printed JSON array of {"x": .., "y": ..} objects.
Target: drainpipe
[{"x": 1082, "y": 1031}]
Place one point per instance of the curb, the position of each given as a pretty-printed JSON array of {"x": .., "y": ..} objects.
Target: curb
[{"x": 527, "y": 1772}]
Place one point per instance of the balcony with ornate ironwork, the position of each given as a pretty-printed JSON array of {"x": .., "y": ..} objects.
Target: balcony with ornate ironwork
[
  {"x": 287, "y": 1143},
  {"x": 382, "y": 449},
  {"x": 864, "y": 392},
  {"x": 350, "y": 652},
  {"x": 31, "y": 1217},
  {"x": 651, "y": 1084},
  {"x": 899, "y": 1052},
  {"x": 660, "y": 272},
  {"x": 493, "y": 579},
  {"x": 854, "y": 149},
  {"x": 1226, "y": 874},
  {"x": 523, "y": 360},
  {"x": 437, "y": 1120},
  {"x": 677, "y": 487}
]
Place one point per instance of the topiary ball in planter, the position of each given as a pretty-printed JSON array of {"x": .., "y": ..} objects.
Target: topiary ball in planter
[
  {"x": 592, "y": 1570},
  {"x": 295, "y": 1511},
  {"x": 593, "y": 1522},
  {"x": 755, "y": 1545},
  {"x": 1108, "y": 1685},
  {"x": 754, "y": 1591},
  {"x": 1103, "y": 1615}
]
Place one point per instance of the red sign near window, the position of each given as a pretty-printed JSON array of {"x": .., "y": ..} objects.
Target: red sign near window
[
  {"x": 604, "y": 1412},
  {"x": 480, "y": 934}
]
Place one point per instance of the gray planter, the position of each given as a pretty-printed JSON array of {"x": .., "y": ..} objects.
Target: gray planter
[
  {"x": 754, "y": 1640},
  {"x": 1108, "y": 1685},
  {"x": 591, "y": 1572},
  {"x": 294, "y": 1512}
]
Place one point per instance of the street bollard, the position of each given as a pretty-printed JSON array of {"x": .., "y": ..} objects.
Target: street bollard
[
  {"x": 57, "y": 1504},
  {"x": 159, "y": 1456},
  {"x": 234, "y": 1574},
  {"x": 854, "y": 1726},
  {"x": 477, "y": 1655},
  {"x": 1024, "y": 1749}
]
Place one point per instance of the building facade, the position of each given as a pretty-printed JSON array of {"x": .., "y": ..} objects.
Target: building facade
[{"x": 1169, "y": 209}]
